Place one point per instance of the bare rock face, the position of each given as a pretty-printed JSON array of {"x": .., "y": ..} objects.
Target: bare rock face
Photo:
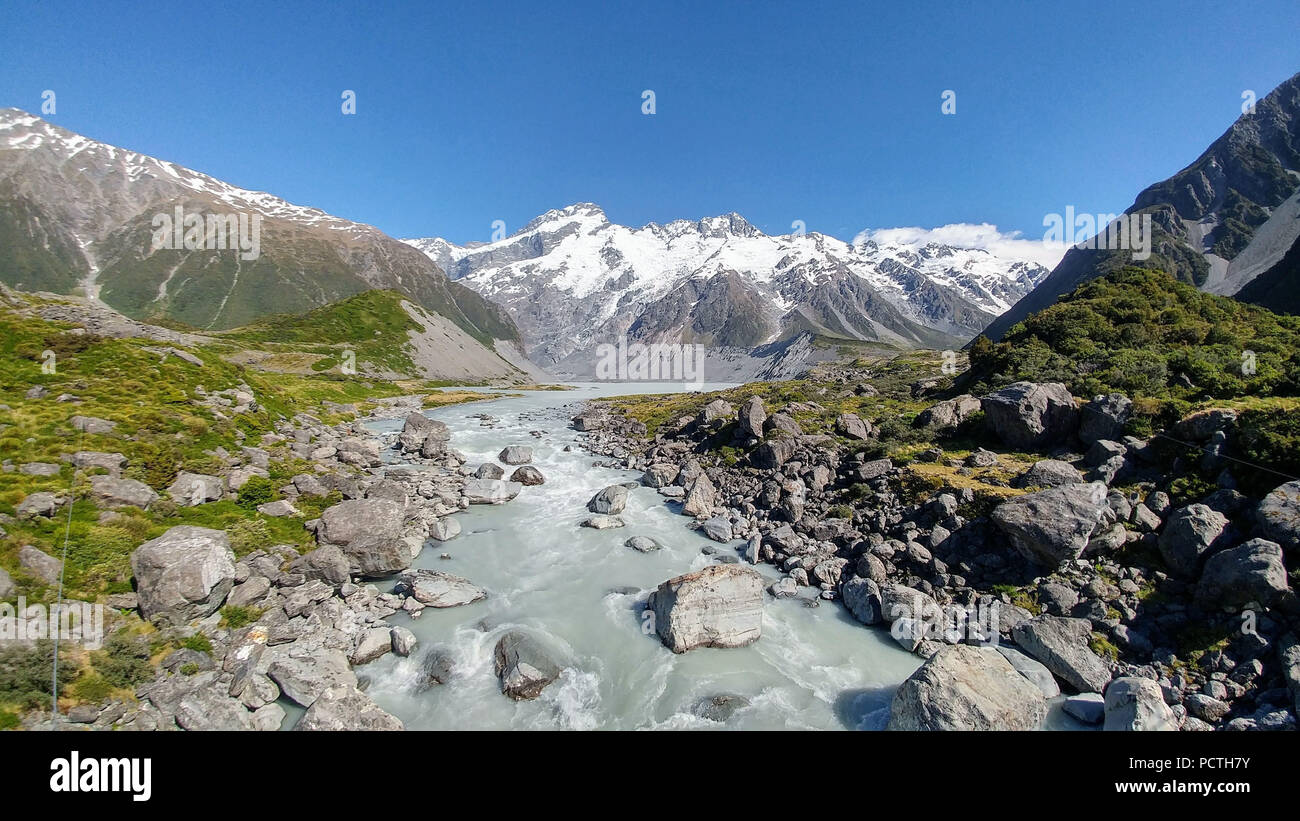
[
  {"x": 1028, "y": 415},
  {"x": 751, "y": 418},
  {"x": 719, "y": 606},
  {"x": 967, "y": 688},
  {"x": 184, "y": 574}
]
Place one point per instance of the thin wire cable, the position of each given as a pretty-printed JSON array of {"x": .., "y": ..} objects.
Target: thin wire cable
[{"x": 67, "y": 535}]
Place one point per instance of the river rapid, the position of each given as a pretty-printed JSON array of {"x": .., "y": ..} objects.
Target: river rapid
[{"x": 582, "y": 591}]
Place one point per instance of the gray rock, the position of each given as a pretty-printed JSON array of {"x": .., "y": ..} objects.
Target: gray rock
[
  {"x": 1234, "y": 578},
  {"x": 642, "y": 544},
  {"x": 660, "y": 474},
  {"x": 1035, "y": 671},
  {"x": 1061, "y": 644},
  {"x": 719, "y": 606},
  {"x": 516, "y": 455},
  {"x": 346, "y": 708},
  {"x": 948, "y": 414},
  {"x": 304, "y": 673},
  {"x": 851, "y": 426},
  {"x": 1047, "y": 473},
  {"x": 109, "y": 491},
  {"x": 1137, "y": 704},
  {"x": 1190, "y": 534},
  {"x": 372, "y": 644},
  {"x": 369, "y": 532},
  {"x": 719, "y": 708},
  {"x": 7, "y": 586},
  {"x": 328, "y": 563},
  {"x": 611, "y": 500},
  {"x": 192, "y": 489},
  {"x": 701, "y": 496},
  {"x": 436, "y": 589},
  {"x": 523, "y": 665},
  {"x": 42, "y": 566},
  {"x": 92, "y": 424},
  {"x": 1028, "y": 416},
  {"x": 403, "y": 641},
  {"x": 278, "y": 509},
  {"x": 602, "y": 522},
  {"x": 1090, "y": 708},
  {"x": 774, "y": 453},
  {"x": 490, "y": 491},
  {"x": 435, "y": 669},
  {"x": 1278, "y": 515},
  {"x": 862, "y": 597},
  {"x": 39, "y": 469},
  {"x": 1052, "y": 527},
  {"x": 718, "y": 529},
  {"x": 38, "y": 504},
  {"x": 444, "y": 529},
  {"x": 97, "y": 460},
  {"x": 416, "y": 429},
  {"x": 1104, "y": 417},
  {"x": 528, "y": 476},
  {"x": 967, "y": 688},
  {"x": 750, "y": 418},
  {"x": 184, "y": 574}
]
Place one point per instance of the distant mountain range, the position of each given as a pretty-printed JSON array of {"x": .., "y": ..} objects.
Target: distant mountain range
[
  {"x": 571, "y": 280},
  {"x": 80, "y": 214},
  {"x": 1228, "y": 223}
]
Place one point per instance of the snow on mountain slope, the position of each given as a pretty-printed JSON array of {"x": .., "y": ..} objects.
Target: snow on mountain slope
[{"x": 571, "y": 279}]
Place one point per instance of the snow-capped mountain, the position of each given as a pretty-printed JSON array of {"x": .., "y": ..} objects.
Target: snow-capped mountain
[
  {"x": 81, "y": 214},
  {"x": 572, "y": 280}
]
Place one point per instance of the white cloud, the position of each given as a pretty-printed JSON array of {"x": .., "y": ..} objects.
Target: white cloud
[{"x": 1002, "y": 244}]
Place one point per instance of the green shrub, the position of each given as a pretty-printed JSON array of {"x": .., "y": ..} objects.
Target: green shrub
[
  {"x": 247, "y": 535},
  {"x": 26, "y": 674},
  {"x": 124, "y": 662},
  {"x": 234, "y": 616},
  {"x": 258, "y": 490},
  {"x": 198, "y": 642}
]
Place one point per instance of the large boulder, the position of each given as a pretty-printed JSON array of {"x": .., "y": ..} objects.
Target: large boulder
[
  {"x": 1134, "y": 703},
  {"x": 110, "y": 491},
  {"x": 862, "y": 597},
  {"x": 528, "y": 476},
  {"x": 701, "y": 496},
  {"x": 774, "y": 452},
  {"x": 1104, "y": 417},
  {"x": 41, "y": 503},
  {"x": 1047, "y": 473},
  {"x": 719, "y": 606},
  {"x": 346, "y": 708},
  {"x": 7, "y": 586},
  {"x": 415, "y": 429},
  {"x": 490, "y": 491},
  {"x": 184, "y": 574},
  {"x": 1061, "y": 644},
  {"x": 1278, "y": 515},
  {"x": 610, "y": 501},
  {"x": 515, "y": 455},
  {"x": 1252, "y": 572},
  {"x": 1035, "y": 671},
  {"x": 1029, "y": 416},
  {"x": 851, "y": 426},
  {"x": 436, "y": 589},
  {"x": 948, "y": 414},
  {"x": 967, "y": 688},
  {"x": 327, "y": 563},
  {"x": 369, "y": 532},
  {"x": 304, "y": 673},
  {"x": 1052, "y": 527},
  {"x": 41, "y": 565},
  {"x": 191, "y": 489},
  {"x": 750, "y": 418},
  {"x": 660, "y": 474},
  {"x": 523, "y": 665},
  {"x": 1191, "y": 534}
]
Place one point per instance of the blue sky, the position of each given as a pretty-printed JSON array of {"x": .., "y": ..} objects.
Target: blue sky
[{"x": 826, "y": 113}]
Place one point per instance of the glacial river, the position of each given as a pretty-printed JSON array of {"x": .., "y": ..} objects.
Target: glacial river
[{"x": 582, "y": 590}]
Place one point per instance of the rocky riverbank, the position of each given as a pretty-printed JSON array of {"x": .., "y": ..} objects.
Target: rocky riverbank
[{"x": 1055, "y": 538}]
